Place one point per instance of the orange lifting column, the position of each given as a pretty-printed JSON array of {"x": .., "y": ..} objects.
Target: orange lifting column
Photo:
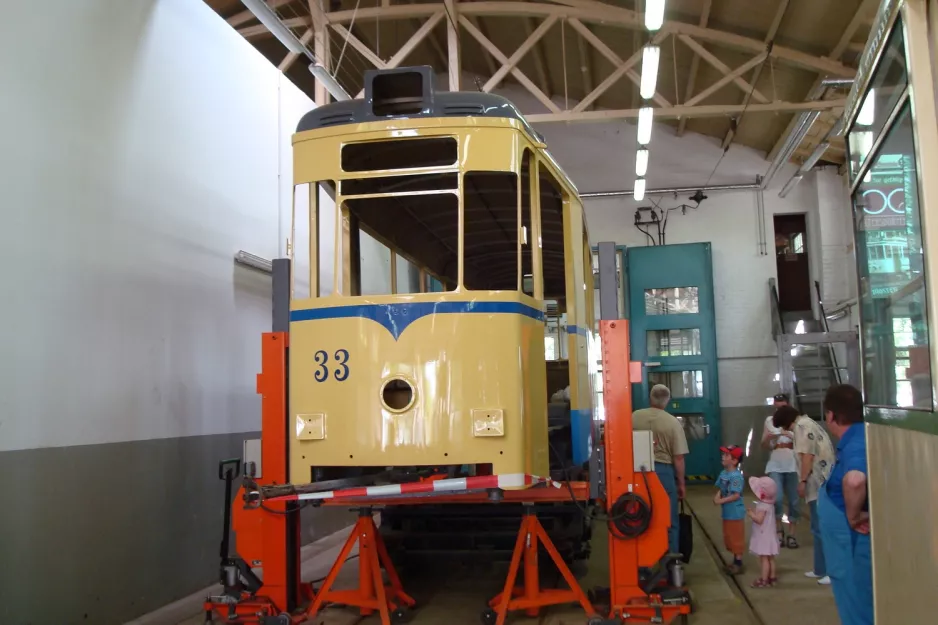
[
  {"x": 628, "y": 554},
  {"x": 531, "y": 597},
  {"x": 372, "y": 593}
]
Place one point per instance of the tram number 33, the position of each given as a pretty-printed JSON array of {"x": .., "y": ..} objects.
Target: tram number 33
[{"x": 340, "y": 369}]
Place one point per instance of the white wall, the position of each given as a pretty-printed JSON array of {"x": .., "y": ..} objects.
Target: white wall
[
  {"x": 144, "y": 143},
  {"x": 600, "y": 157}
]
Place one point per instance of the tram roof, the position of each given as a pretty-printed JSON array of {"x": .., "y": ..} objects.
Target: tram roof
[{"x": 442, "y": 104}]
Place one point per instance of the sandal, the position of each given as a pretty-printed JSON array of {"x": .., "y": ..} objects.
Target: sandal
[
  {"x": 791, "y": 542},
  {"x": 760, "y": 583},
  {"x": 772, "y": 581}
]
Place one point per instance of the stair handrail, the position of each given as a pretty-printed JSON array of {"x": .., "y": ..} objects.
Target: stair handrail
[
  {"x": 827, "y": 329},
  {"x": 778, "y": 325}
]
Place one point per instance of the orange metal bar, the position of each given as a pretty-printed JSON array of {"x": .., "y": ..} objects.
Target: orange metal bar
[
  {"x": 617, "y": 398},
  {"x": 627, "y": 555},
  {"x": 264, "y": 539},
  {"x": 272, "y": 386}
]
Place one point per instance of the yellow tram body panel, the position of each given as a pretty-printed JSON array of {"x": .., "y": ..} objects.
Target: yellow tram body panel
[
  {"x": 455, "y": 377},
  {"x": 474, "y": 361}
]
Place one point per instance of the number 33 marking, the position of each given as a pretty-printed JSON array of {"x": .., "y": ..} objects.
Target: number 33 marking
[{"x": 322, "y": 372}]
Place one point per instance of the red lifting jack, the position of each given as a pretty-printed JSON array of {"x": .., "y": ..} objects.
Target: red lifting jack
[
  {"x": 372, "y": 593},
  {"x": 531, "y": 597}
]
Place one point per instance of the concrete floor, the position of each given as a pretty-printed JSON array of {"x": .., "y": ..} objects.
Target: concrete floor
[
  {"x": 457, "y": 595},
  {"x": 796, "y": 597}
]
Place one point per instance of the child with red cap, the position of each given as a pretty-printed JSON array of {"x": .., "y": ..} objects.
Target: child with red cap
[
  {"x": 730, "y": 497},
  {"x": 762, "y": 540}
]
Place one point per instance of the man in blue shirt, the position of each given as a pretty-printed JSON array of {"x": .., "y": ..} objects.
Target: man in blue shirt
[{"x": 843, "y": 509}]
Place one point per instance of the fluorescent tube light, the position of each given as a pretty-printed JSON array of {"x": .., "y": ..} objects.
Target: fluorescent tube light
[
  {"x": 330, "y": 83},
  {"x": 867, "y": 114},
  {"x": 639, "y": 192},
  {"x": 641, "y": 162},
  {"x": 650, "y": 57},
  {"x": 791, "y": 184},
  {"x": 645, "y": 115},
  {"x": 654, "y": 14},
  {"x": 278, "y": 29}
]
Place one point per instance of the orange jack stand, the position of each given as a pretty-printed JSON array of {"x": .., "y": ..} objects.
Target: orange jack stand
[
  {"x": 531, "y": 598},
  {"x": 372, "y": 593}
]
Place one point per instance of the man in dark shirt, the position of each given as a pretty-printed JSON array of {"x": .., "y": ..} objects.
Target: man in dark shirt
[{"x": 844, "y": 511}]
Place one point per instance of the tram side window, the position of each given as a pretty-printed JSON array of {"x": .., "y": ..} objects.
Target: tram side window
[
  {"x": 408, "y": 276},
  {"x": 553, "y": 262},
  {"x": 374, "y": 266},
  {"x": 525, "y": 234},
  {"x": 418, "y": 217},
  {"x": 313, "y": 209},
  {"x": 490, "y": 231}
]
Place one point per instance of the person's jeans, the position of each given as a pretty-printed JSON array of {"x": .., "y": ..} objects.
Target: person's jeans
[
  {"x": 669, "y": 480},
  {"x": 787, "y": 484},
  {"x": 849, "y": 563},
  {"x": 820, "y": 564}
]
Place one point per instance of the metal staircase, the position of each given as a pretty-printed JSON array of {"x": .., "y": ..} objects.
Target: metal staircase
[{"x": 811, "y": 358}]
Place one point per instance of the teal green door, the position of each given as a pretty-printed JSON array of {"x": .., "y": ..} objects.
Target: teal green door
[{"x": 673, "y": 332}]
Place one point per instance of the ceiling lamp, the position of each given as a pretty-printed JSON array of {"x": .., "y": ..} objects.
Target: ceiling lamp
[
  {"x": 266, "y": 16},
  {"x": 645, "y": 115},
  {"x": 654, "y": 14},
  {"x": 650, "y": 57},
  {"x": 327, "y": 81},
  {"x": 641, "y": 162},
  {"x": 867, "y": 114},
  {"x": 639, "y": 193}
]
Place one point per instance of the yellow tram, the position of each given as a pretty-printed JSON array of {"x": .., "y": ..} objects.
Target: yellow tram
[{"x": 444, "y": 367}]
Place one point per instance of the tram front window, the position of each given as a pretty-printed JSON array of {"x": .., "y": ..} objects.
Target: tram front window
[{"x": 894, "y": 316}]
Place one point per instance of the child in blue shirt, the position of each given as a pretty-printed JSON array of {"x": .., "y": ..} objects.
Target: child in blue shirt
[{"x": 730, "y": 497}]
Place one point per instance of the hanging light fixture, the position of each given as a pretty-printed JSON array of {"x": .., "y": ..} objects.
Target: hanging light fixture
[
  {"x": 266, "y": 16},
  {"x": 639, "y": 191},
  {"x": 331, "y": 84},
  {"x": 654, "y": 14},
  {"x": 645, "y": 115},
  {"x": 867, "y": 114},
  {"x": 650, "y": 57},
  {"x": 641, "y": 162}
]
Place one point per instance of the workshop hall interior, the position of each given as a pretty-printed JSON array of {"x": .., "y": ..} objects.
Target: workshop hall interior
[{"x": 445, "y": 312}]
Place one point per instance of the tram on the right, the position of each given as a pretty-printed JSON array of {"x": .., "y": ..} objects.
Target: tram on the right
[{"x": 891, "y": 130}]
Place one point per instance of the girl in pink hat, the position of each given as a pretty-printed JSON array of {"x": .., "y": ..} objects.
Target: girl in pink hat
[{"x": 762, "y": 540}]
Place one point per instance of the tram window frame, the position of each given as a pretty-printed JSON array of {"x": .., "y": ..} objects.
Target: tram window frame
[
  {"x": 490, "y": 207},
  {"x": 554, "y": 287},
  {"x": 312, "y": 258},
  {"x": 527, "y": 189},
  {"x": 400, "y": 154},
  {"x": 381, "y": 216}
]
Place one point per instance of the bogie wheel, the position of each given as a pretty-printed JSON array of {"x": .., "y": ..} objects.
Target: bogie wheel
[{"x": 489, "y": 616}]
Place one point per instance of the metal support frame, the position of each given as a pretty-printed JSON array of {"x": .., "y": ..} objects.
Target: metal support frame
[
  {"x": 608, "y": 281},
  {"x": 540, "y": 17}
]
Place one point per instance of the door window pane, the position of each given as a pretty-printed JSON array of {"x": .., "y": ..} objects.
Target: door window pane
[
  {"x": 671, "y": 301},
  {"x": 679, "y": 342},
  {"x": 681, "y": 383},
  {"x": 892, "y": 275},
  {"x": 695, "y": 426}
]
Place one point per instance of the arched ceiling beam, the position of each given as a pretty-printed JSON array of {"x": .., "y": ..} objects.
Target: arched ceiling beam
[{"x": 600, "y": 13}]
